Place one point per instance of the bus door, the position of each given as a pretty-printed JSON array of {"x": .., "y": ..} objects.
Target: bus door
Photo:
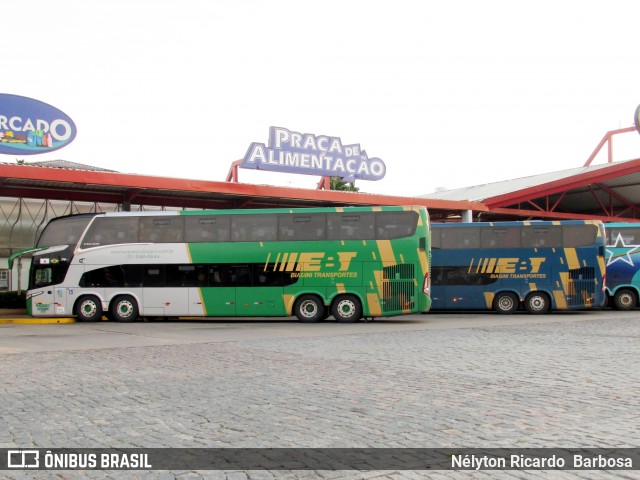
[
  {"x": 60, "y": 301},
  {"x": 46, "y": 299}
]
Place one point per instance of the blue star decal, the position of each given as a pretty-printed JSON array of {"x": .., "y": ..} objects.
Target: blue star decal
[{"x": 624, "y": 256}]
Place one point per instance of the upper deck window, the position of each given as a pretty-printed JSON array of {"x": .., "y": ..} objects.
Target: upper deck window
[{"x": 111, "y": 231}]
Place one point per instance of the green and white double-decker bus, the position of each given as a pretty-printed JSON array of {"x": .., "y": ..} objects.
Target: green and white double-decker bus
[{"x": 312, "y": 263}]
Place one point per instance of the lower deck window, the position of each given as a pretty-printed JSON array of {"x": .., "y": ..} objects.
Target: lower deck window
[{"x": 187, "y": 275}]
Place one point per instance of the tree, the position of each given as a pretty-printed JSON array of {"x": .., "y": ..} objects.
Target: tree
[{"x": 337, "y": 184}]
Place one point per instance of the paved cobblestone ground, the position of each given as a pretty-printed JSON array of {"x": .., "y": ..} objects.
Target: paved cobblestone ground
[{"x": 562, "y": 384}]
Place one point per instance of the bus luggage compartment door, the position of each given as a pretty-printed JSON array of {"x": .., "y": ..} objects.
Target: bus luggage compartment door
[
  {"x": 166, "y": 302},
  {"x": 259, "y": 302},
  {"x": 219, "y": 301},
  {"x": 464, "y": 297}
]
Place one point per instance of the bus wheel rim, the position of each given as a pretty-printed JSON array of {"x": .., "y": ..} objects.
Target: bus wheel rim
[
  {"x": 537, "y": 303},
  {"x": 346, "y": 308},
  {"x": 125, "y": 309},
  {"x": 309, "y": 309},
  {"x": 506, "y": 303},
  {"x": 88, "y": 308},
  {"x": 625, "y": 299}
]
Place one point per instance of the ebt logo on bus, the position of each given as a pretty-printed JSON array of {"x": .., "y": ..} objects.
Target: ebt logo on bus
[
  {"x": 309, "y": 262},
  {"x": 508, "y": 266},
  {"x": 29, "y": 127}
]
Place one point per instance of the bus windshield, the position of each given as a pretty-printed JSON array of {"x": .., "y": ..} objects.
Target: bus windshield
[{"x": 64, "y": 230}]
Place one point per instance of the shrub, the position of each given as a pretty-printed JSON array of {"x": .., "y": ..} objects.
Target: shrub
[{"x": 13, "y": 300}]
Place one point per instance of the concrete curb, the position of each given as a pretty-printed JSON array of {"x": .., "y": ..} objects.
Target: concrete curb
[{"x": 35, "y": 321}]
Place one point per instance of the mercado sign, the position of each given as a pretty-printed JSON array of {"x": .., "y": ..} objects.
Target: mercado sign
[
  {"x": 295, "y": 152},
  {"x": 29, "y": 127}
]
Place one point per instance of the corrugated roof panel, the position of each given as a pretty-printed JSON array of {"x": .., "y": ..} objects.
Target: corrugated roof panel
[
  {"x": 479, "y": 193},
  {"x": 68, "y": 164}
]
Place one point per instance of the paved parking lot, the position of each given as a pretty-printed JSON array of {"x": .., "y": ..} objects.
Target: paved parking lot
[{"x": 438, "y": 380}]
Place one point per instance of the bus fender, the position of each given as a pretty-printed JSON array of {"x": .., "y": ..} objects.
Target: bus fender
[
  {"x": 74, "y": 293},
  {"x": 553, "y": 300},
  {"x": 337, "y": 294},
  {"x": 489, "y": 297},
  {"x": 93, "y": 293},
  {"x": 290, "y": 300},
  {"x": 105, "y": 304},
  {"x": 611, "y": 293}
]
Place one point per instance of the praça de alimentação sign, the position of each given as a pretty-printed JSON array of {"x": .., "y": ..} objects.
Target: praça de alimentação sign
[
  {"x": 295, "y": 152},
  {"x": 29, "y": 127}
]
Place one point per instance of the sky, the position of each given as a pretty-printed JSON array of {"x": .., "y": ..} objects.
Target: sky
[{"x": 447, "y": 94}]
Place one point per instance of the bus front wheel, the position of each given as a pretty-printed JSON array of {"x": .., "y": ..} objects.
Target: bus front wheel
[
  {"x": 624, "y": 299},
  {"x": 537, "y": 303},
  {"x": 505, "y": 303},
  {"x": 89, "y": 309},
  {"x": 309, "y": 308},
  {"x": 124, "y": 309},
  {"x": 346, "y": 309}
]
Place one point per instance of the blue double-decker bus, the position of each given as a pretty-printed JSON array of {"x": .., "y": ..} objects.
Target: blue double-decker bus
[
  {"x": 623, "y": 265},
  {"x": 536, "y": 266}
]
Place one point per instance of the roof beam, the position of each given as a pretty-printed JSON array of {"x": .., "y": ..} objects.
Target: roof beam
[
  {"x": 565, "y": 184},
  {"x": 517, "y": 212},
  {"x": 73, "y": 181},
  {"x": 620, "y": 198},
  {"x": 602, "y": 205}
]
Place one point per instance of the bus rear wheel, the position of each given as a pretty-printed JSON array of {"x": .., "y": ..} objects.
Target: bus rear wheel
[
  {"x": 624, "y": 299},
  {"x": 89, "y": 308},
  {"x": 309, "y": 308},
  {"x": 505, "y": 303},
  {"x": 537, "y": 303},
  {"x": 346, "y": 309},
  {"x": 124, "y": 309}
]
